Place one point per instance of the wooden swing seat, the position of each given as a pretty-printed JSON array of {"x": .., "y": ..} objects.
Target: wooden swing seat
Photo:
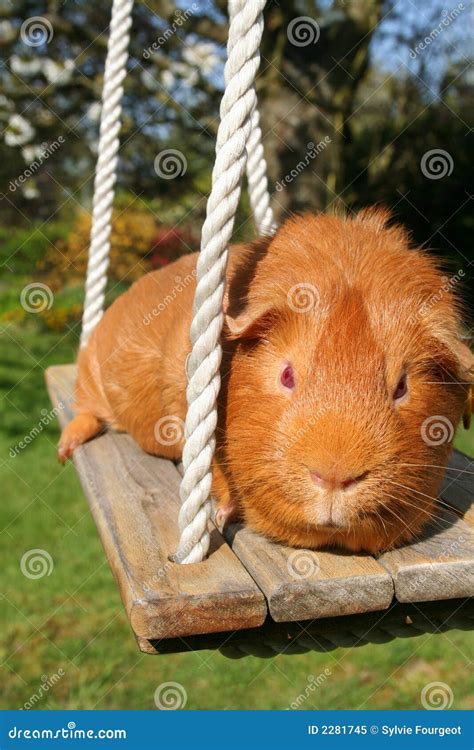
[{"x": 249, "y": 583}]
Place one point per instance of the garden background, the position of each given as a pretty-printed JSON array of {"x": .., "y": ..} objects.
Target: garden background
[{"x": 375, "y": 108}]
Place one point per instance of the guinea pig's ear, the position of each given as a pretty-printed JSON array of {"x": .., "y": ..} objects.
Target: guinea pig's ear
[
  {"x": 464, "y": 360},
  {"x": 452, "y": 354},
  {"x": 252, "y": 323},
  {"x": 466, "y": 371},
  {"x": 458, "y": 359}
]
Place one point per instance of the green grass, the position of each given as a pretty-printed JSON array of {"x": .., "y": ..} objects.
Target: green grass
[{"x": 73, "y": 619}]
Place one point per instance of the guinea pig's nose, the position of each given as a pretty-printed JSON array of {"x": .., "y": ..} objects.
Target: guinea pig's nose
[{"x": 333, "y": 481}]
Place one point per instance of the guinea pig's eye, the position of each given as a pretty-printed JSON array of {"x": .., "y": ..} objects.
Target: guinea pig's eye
[
  {"x": 287, "y": 377},
  {"x": 402, "y": 388}
]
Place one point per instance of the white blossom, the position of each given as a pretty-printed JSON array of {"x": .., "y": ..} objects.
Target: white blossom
[
  {"x": 203, "y": 56},
  {"x": 24, "y": 67},
  {"x": 7, "y": 31},
  {"x": 149, "y": 80},
  {"x": 168, "y": 79},
  {"x": 6, "y": 103},
  {"x": 32, "y": 152},
  {"x": 57, "y": 73},
  {"x": 30, "y": 192},
  {"x": 93, "y": 111},
  {"x": 19, "y": 131}
]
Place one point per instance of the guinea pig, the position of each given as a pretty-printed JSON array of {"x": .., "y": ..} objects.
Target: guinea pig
[{"x": 344, "y": 377}]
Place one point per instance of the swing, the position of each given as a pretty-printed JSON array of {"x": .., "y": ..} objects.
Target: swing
[{"x": 183, "y": 584}]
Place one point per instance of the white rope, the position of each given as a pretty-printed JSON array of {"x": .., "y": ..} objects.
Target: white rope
[
  {"x": 106, "y": 170},
  {"x": 256, "y": 170},
  {"x": 237, "y": 106},
  {"x": 257, "y": 179}
]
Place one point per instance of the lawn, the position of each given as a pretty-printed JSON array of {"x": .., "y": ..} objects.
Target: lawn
[{"x": 69, "y": 627}]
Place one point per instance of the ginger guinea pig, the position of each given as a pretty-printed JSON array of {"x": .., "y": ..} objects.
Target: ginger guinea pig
[{"x": 343, "y": 380}]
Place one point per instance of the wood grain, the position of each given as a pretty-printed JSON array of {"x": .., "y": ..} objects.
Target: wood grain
[
  {"x": 438, "y": 566},
  {"x": 135, "y": 502},
  {"x": 301, "y": 584}
]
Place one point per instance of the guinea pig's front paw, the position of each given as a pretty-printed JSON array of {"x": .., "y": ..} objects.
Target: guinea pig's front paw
[
  {"x": 226, "y": 514},
  {"x": 78, "y": 431},
  {"x": 64, "y": 452}
]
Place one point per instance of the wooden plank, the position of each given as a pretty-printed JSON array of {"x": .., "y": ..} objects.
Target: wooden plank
[
  {"x": 135, "y": 502},
  {"x": 301, "y": 584},
  {"x": 458, "y": 486},
  {"x": 438, "y": 566}
]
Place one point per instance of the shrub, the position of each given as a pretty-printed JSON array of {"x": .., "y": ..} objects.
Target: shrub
[{"x": 169, "y": 243}]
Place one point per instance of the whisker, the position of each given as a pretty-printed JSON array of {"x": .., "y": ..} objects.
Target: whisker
[
  {"x": 436, "y": 466},
  {"x": 431, "y": 515}
]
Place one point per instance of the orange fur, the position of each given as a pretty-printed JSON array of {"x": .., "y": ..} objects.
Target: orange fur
[{"x": 372, "y": 308}]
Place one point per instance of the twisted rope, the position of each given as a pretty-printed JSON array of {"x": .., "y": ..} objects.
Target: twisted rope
[
  {"x": 257, "y": 178},
  {"x": 237, "y": 105},
  {"x": 358, "y": 634},
  {"x": 106, "y": 170},
  {"x": 257, "y": 166}
]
